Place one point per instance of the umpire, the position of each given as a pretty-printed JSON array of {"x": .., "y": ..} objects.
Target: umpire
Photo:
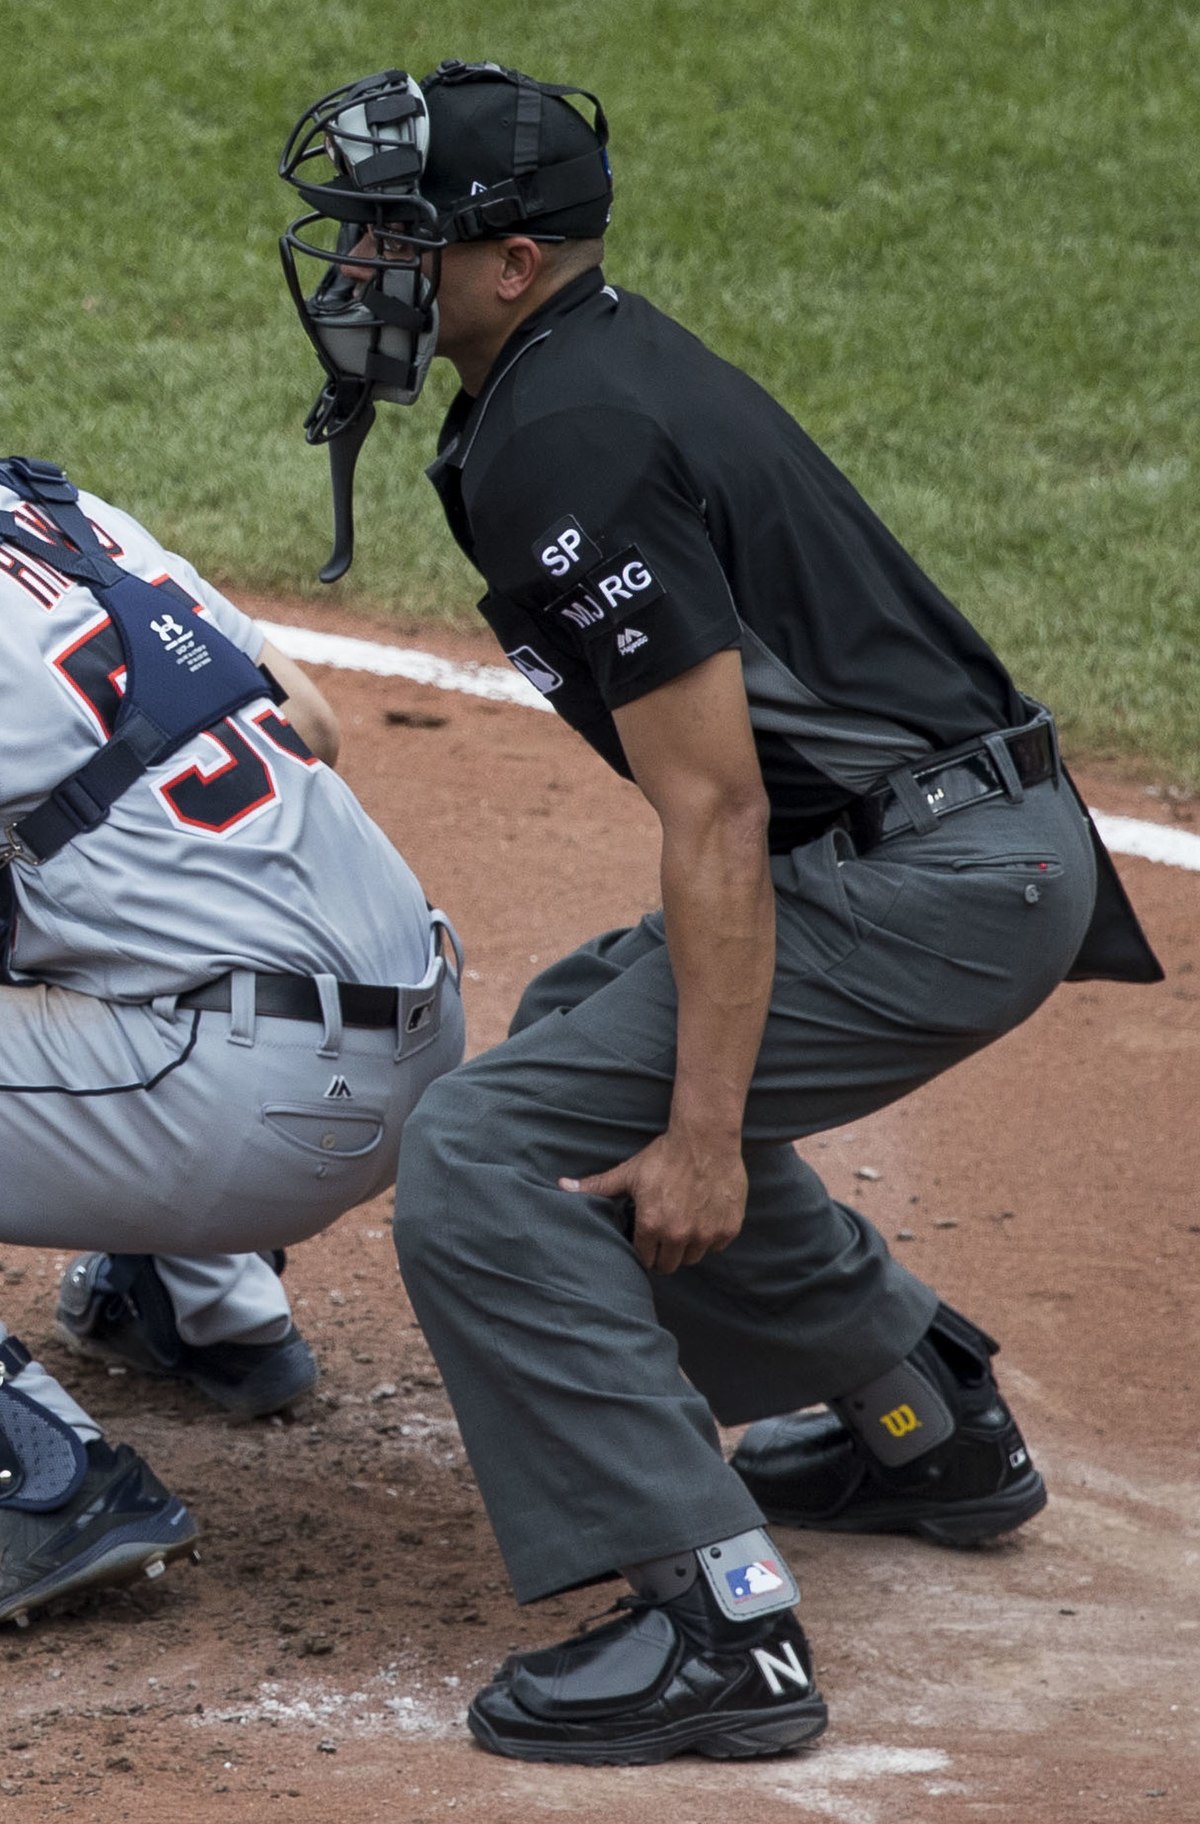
[{"x": 873, "y": 865}]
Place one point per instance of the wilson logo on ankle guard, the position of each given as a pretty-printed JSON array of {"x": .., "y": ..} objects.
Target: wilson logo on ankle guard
[{"x": 900, "y": 1421}]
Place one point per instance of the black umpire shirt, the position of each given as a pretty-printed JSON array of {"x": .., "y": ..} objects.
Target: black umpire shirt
[{"x": 635, "y": 504}]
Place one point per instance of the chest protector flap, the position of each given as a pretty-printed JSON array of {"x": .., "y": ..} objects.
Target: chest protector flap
[{"x": 182, "y": 675}]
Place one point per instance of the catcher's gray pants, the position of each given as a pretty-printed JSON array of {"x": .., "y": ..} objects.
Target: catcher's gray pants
[
  {"x": 582, "y": 1384},
  {"x": 200, "y": 1137}
]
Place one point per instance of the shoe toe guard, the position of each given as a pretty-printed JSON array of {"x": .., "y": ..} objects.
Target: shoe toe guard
[
  {"x": 625, "y": 1664},
  {"x": 804, "y": 1461}
]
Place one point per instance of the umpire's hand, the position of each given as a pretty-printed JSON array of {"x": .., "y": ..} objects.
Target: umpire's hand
[{"x": 688, "y": 1196}]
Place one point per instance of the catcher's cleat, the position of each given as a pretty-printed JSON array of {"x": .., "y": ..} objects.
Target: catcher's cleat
[
  {"x": 665, "y": 1678},
  {"x": 114, "y": 1307},
  {"x": 930, "y": 1448},
  {"x": 118, "y": 1523}
]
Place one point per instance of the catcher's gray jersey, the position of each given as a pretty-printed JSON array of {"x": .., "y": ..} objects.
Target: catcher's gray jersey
[
  {"x": 240, "y": 851},
  {"x": 134, "y": 1124}
]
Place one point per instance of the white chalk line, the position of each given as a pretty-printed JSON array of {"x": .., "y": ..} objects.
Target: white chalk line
[
  {"x": 381, "y": 1706},
  {"x": 1124, "y": 835},
  {"x": 499, "y": 682}
]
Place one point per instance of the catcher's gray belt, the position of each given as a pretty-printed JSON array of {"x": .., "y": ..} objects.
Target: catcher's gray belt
[{"x": 295, "y": 997}]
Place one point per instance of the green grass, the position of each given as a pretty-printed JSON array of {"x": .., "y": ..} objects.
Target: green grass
[{"x": 958, "y": 240}]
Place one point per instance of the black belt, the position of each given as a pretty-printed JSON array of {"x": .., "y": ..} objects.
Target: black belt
[
  {"x": 951, "y": 781},
  {"x": 295, "y": 997}
]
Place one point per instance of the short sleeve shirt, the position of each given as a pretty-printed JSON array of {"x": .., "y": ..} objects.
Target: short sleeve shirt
[{"x": 635, "y": 505}]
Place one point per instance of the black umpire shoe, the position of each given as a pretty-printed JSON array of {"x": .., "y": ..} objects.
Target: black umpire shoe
[
  {"x": 116, "y": 1308},
  {"x": 663, "y": 1679},
  {"x": 811, "y": 1469},
  {"x": 120, "y": 1522}
]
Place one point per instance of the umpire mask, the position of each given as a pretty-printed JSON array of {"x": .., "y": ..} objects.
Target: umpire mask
[
  {"x": 356, "y": 157},
  {"x": 393, "y": 170}
]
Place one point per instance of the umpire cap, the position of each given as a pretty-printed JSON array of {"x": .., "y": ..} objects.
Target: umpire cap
[{"x": 508, "y": 154}]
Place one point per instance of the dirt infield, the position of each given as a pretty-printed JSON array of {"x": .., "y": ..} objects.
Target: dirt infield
[{"x": 317, "y": 1663}]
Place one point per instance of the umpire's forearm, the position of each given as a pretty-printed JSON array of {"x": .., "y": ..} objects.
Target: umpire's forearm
[{"x": 719, "y": 908}]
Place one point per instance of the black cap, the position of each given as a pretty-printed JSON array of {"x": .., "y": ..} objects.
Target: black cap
[{"x": 508, "y": 155}]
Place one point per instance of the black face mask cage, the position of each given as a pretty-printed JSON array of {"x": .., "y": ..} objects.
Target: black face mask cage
[
  {"x": 346, "y": 395},
  {"x": 356, "y": 158},
  {"x": 390, "y": 172}
]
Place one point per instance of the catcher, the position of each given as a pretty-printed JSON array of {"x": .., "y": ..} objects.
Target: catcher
[{"x": 223, "y": 991}]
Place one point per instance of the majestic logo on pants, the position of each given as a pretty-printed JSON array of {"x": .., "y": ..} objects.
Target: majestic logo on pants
[
  {"x": 338, "y": 1090},
  {"x": 900, "y": 1421}
]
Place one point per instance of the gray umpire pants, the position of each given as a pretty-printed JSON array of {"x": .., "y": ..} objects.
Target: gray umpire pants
[{"x": 584, "y": 1387}]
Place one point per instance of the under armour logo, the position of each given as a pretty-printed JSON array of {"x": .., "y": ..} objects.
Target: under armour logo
[
  {"x": 338, "y": 1090},
  {"x": 167, "y": 629}
]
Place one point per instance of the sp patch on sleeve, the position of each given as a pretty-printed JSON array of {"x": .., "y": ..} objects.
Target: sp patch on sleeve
[{"x": 565, "y": 548}]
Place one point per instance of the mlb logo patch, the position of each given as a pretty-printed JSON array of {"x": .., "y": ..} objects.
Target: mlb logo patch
[
  {"x": 542, "y": 676},
  {"x": 758, "y": 1579}
]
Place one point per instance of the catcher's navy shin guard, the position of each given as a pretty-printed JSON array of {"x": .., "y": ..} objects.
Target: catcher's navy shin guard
[
  {"x": 929, "y": 1447},
  {"x": 73, "y": 1516},
  {"x": 42, "y": 1461}
]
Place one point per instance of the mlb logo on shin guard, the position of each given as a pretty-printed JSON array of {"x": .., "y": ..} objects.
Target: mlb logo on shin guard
[{"x": 758, "y": 1579}]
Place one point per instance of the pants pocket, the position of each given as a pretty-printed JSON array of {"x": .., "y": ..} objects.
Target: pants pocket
[
  {"x": 329, "y": 1133},
  {"x": 1048, "y": 866}
]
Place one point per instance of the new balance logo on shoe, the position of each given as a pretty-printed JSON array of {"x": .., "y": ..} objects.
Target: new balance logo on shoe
[
  {"x": 775, "y": 1667},
  {"x": 339, "y": 1090},
  {"x": 629, "y": 639}
]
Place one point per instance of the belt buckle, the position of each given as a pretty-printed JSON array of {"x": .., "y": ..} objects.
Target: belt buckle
[{"x": 13, "y": 849}]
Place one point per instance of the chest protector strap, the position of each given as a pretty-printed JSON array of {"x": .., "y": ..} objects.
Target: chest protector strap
[{"x": 182, "y": 675}]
